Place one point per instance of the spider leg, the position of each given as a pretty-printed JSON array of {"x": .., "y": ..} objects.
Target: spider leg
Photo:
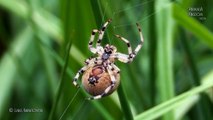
[
  {"x": 131, "y": 54},
  {"x": 108, "y": 89},
  {"x": 114, "y": 67},
  {"x": 102, "y": 33},
  {"x": 121, "y": 57},
  {"x": 91, "y": 48},
  {"x": 141, "y": 40},
  {"x": 127, "y": 43},
  {"x": 89, "y": 63},
  {"x": 98, "y": 48},
  {"x": 81, "y": 71}
]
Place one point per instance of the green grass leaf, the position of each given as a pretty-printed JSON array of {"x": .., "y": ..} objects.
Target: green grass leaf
[
  {"x": 175, "y": 102},
  {"x": 165, "y": 81}
]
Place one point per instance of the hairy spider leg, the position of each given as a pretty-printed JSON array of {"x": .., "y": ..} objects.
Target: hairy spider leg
[
  {"x": 114, "y": 67},
  {"x": 141, "y": 40},
  {"x": 92, "y": 37},
  {"x": 102, "y": 33},
  {"x": 127, "y": 43},
  {"x": 100, "y": 37},
  {"x": 129, "y": 58}
]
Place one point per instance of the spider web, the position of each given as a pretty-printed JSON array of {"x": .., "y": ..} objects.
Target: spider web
[{"x": 123, "y": 19}]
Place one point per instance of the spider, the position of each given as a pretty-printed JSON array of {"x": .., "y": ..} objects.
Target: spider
[{"x": 100, "y": 74}]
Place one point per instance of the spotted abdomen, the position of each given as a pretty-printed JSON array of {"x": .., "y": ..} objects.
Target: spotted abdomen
[{"x": 96, "y": 79}]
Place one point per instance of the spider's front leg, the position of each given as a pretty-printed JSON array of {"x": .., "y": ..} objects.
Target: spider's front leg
[
  {"x": 98, "y": 48},
  {"x": 141, "y": 40},
  {"x": 91, "y": 48},
  {"x": 102, "y": 33},
  {"x": 131, "y": 54}
]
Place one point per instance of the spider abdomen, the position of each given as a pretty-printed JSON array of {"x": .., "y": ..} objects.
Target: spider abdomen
[{"x": 96, "y": 79}]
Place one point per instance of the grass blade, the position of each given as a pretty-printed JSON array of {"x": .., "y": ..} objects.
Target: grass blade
[
  {"x": 165, "y": 27},
  {"x": 173, "y": 103},
  {"x": 67, "y": 52},
  {"x": 124, "y": 103},
  {"x": 61, "y": 82}
]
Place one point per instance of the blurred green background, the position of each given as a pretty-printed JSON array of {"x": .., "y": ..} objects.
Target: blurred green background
[{"x": 43, "y": 43}]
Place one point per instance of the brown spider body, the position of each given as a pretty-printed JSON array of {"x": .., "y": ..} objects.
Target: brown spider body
[{"x": 96, "y": 79}]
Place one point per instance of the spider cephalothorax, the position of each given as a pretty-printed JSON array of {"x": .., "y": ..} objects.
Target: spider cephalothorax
[
  {"x": 100, "y": 75},
  {"x": 108, "y": 50}
]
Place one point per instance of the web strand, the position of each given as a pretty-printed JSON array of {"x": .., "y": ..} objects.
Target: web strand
[
  {"x": 72, "y": 99},
  {"x": 80, "y": 107},
  {"x": 138, "y": 5},
  {"x": 103, "y": 18},
  {"x": 143, "y": 19}
]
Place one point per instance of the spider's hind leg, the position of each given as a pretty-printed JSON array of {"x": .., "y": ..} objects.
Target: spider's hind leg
[
  {"x": 89, "y": 63},
  {"x": 81, "y": 71}
]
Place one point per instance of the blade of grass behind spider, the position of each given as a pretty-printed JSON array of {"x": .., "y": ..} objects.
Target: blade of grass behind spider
[
  {"x": 68, "y": 41},
  {"x": 206, "y": 37},
  {"x": 175, "y": 102},
  {"x": 165, "y": 27},
  {"x": 122, "y": 97},
  {"x": 152, "y": 52},
  {"x": 201, "y": 106},
  {"x": 62, "y": 79}
]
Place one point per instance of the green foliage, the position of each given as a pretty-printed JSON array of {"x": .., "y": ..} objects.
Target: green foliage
[{"x": 44, "y": 43}]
